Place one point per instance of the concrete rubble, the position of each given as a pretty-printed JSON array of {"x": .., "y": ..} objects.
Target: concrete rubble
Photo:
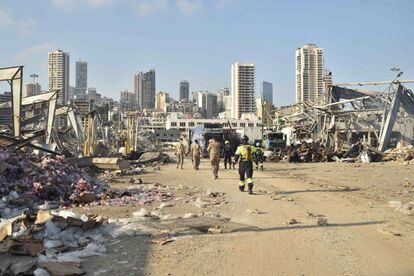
[
  {"x": 406, "y": 209},
  {"x": 56, "y": 239},
  {"x": 400, "y": 154},
  {"x": 50, "y": 182},
  {"x": 30, "y": 181},
  {"x": 350, "y": 125},
  {"x": 40, "y": 224}
]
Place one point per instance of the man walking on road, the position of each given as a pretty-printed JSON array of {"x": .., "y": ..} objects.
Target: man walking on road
[
  {"x": 227, "y": 152},
  {"x": 180, "y": 153},
  {"x": 213, "y": 152},
  {"x": 196, "y": 154},
  {"x": 245, "y": 153}
]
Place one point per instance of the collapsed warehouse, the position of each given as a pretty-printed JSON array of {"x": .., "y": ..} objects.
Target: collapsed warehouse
[
  {"x": 350, "y": 124},
  {"x": 44, "y": 124}
]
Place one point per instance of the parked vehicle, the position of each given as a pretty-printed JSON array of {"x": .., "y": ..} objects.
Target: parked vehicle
[{"x": 273, "y": 140}]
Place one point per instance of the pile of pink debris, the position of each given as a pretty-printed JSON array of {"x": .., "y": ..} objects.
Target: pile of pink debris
[
  {"x": 30, "y": 181},
  {"x": 50, "y": 182}
]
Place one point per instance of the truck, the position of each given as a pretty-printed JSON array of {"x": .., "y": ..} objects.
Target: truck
[
  {"x": 274, "y": 140},
  {"x": 203, "y": 133}
]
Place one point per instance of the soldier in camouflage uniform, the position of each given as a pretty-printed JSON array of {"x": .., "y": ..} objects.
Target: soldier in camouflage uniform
[{"x": 214, "y": 153}]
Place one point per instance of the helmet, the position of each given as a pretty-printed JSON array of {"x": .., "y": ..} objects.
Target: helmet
[
  {"x": 245, "y": 139},
  {"x": 226, "y": 142},
  {"x": 257, "y": 144}
]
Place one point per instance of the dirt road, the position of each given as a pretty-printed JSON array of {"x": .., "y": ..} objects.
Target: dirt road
[{"x": 364, "y": 236}]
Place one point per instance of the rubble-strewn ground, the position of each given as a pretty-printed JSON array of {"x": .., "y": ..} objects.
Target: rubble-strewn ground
[{"x": 275, "y": 231}]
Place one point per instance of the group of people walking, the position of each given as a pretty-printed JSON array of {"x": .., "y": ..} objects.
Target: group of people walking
[{"x": 245, "y": 154}]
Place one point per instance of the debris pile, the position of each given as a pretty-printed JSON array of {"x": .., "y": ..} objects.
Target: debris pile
[
  {"x": 113, "y": 175},
  {"x": 277, "y": 155},
  {"x": 361, "y": 123},
  {"x": 26, "y": 181},
  {"x": 138, "y": 198},
  {"x": 36, "y": 183},
  {"x": 152, "y": 158},
  {"x": 400, "y": 154},
  {"x": 56, "y": 239},
  {"x": 308, "y": 152}
]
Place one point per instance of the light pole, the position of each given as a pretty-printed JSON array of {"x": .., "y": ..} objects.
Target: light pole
[{"x": 34, "y": 76}]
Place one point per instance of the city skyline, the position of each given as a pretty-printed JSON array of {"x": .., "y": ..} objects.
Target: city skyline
[{"x": 175, "y": 48}]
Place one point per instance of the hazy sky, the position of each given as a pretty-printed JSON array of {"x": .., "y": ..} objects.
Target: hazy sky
[{"x": 197, "y": 40}]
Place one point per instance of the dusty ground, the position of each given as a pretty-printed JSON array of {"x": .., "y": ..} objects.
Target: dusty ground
[{"x": 364, "y": 236}]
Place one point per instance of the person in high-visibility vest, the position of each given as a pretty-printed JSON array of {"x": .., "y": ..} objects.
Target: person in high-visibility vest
[
  {"x": 258, "y": 157},
  {"x": 245, "y": 153}
]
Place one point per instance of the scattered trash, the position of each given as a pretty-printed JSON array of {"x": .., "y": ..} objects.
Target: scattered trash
[
  {"x": 292, "y": 222},
  {"x": 200, "y": 203},
  {"x": 141, "y": 213},
  {"x": 165, "y": 204},
  {"x": 323, "y": 221},
  {"x": 211, "y": 215},
  {"x": 41, "y": 272},
  {"x": 163, "y": 241},
  {"x": 406, "y": 209},
  {"x": 314, "y": 215},
  {"x": 190, "y": 215},
  {"x": 49, "y": 205},
  {"x": 138, "y": 198},
  {"x": 288, "y": 199},
  {"x": 215, "y": 230},
  {"x": 390, "y": 232},
  {"x": 99, "y": 272},
  {"x": 365, "y": 158},
  {"x": 275, "y": 196},
  {"x": 395, "y": 204},
  {"x": 253, "y": 211}
]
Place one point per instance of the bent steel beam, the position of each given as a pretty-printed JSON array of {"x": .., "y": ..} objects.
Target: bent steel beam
[
  {"x": 45, "y": 97},
  {"x": 386, "y": 130},
  {"x": 14, "y": 76},
  {"x": 51, "y": 117},
  {"x": 74, "y": 119}
]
